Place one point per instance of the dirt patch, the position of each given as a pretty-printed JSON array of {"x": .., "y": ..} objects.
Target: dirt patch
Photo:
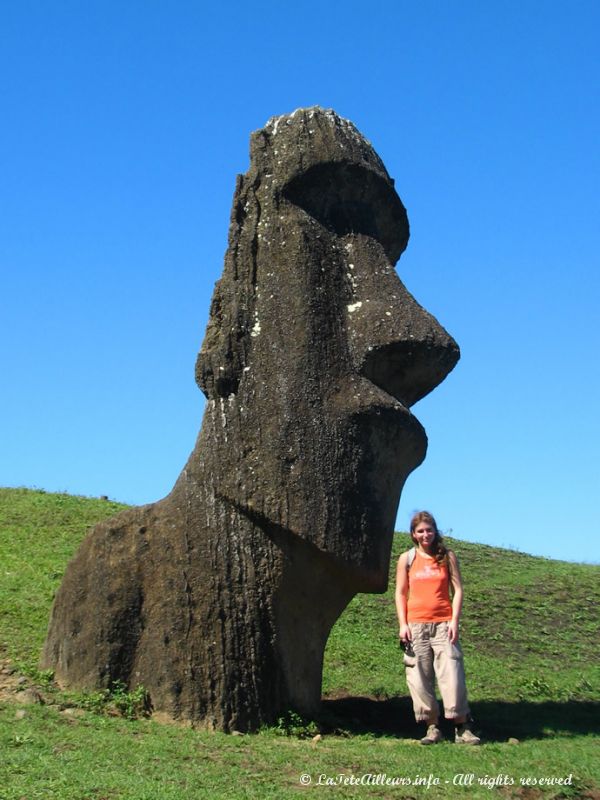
[{"x": 12, "y": 683}]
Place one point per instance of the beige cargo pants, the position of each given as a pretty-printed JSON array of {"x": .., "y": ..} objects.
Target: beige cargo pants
[{"x": 434, "y": 656}]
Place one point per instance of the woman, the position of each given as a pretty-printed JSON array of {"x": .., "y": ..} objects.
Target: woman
[{"x": 429, "y": 620}]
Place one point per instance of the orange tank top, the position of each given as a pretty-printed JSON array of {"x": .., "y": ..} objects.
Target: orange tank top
[{"x": 428, "y": 591}]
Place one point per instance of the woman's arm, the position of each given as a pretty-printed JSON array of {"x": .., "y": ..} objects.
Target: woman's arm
[
  {"x": 457, "y": 596},
  {"x": 401, "y": 597}
]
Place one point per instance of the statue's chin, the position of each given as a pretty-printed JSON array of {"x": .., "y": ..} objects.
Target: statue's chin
[{"x": 356, "y": 553}]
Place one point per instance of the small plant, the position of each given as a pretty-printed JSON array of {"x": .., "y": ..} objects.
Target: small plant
[
  {"x": 96, "y": 702},
  {"x": 20, "y": 741},
  {"x": 293, "y": 724},
  {"x": 44, "y": 677},
  {"x": 40, "y": 677},
  {"x": 581, "y": 690},
  {"x": 131, "y": 704},
  {"x": 536, "y": 687},
  {"x": 380, "y": 692}
]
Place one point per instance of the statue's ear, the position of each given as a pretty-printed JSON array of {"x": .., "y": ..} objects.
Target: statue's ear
[
  {"x": 220, "y": 362},
  {"x": 224, "y": 352}
]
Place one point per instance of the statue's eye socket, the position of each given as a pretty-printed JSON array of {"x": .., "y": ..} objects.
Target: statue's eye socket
[{"x": 347, "y": 198}]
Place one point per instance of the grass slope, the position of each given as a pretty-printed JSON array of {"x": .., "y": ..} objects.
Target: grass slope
[{"x": 530, "y": 630}]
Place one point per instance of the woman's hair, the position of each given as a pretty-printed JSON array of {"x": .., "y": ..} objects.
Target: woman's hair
[{"x": 438, "y": 548}]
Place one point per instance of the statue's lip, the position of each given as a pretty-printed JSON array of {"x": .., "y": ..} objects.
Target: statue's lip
[
  {"x": 401, "y": 410},
  {"x": 378, "y": 403},
  {"x": 364, "y": 398},
  {"x": 410, "y": 370}
]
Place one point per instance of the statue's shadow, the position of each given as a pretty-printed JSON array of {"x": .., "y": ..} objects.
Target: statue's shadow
[{"x": 496, "y": 720}]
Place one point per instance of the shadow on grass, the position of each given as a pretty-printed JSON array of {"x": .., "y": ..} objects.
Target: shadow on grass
[{"x": 496, "y": 720}]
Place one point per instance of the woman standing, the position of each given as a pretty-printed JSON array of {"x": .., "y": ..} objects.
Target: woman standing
[{"x": 429, "y": 617}]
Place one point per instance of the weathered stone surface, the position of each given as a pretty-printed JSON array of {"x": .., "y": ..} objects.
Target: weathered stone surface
[{"x": 219, "y": 598}]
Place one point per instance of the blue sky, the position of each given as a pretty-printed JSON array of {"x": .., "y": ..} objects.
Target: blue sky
[{"x": 124, "y": 126}]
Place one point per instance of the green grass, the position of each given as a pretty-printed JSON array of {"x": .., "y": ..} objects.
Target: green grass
[
  {"x": 530, "y": 631},
  {"x": 39, "y": 532}
]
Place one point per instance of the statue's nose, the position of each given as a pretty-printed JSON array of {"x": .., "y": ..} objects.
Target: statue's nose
[{"x": 394, "y": 341}]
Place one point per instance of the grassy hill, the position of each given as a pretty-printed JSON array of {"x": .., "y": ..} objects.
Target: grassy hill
[{"x": 530, "y": 637}]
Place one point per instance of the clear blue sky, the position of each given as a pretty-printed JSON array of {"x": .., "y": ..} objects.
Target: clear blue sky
[{"x": 124, "y": 125}]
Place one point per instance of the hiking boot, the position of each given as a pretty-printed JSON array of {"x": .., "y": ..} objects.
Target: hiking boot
[
  {"x": 433, "y": 735},
  {"x": 464, "y": 735}
]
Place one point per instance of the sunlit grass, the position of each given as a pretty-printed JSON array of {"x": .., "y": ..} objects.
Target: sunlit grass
[{"x": 530, "y": 640}]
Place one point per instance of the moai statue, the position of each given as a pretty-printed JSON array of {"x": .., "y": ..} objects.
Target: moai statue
[{"x": 219, "y": 598}]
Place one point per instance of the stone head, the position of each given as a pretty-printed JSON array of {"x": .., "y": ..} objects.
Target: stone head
[{"x": 315, "y": 351}]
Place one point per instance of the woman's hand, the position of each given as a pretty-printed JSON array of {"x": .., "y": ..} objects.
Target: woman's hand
[
  {"x": 405, "y": 634},
  {"x": 453, "y": 631}
]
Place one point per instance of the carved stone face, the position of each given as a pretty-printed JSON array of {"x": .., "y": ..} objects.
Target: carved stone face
[{"x": 315, "y": 351}]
